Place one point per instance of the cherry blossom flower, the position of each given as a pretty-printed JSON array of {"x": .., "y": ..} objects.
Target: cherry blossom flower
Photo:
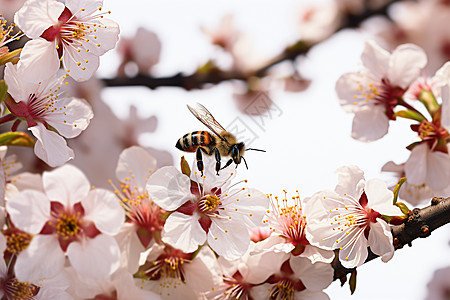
[
  {"x": 207, "y": 208},
  {"x": 427, "y": 30},
  {"x": 414, "y": 194},
  {"x": 68, "y": 219},
  {"x": 143, "y": 49},
  {"x": 75, "y": 33},
  {"x": 40, "y": 289},
  {"x": 288, "y": 225},
  {"x": 144, "y": 218},
  {"x": 173, "y": 274},
  {"x": 239, "y": 276},
  {"x": 427, "y": 167},
  {"x": 373, "y": 93},
  {"x": 44, "y": 108},
  {"x": 296, "y": 278},
  {"x": 348, "y": 218},
  {"x": 262, "y": 275},
  {"x": 118, "y": 286}
]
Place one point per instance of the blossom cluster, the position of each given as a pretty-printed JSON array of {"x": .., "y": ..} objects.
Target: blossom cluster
[
  {"x": 161, "y": 233},
  {"x": 392, "y": 86}
]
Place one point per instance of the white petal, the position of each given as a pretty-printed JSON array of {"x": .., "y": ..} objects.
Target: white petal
[
  {"x": 36, "y": 16},
  {"x": 103, "y": 208},
  {"x": 50, "y": 146},
  {"x": 405, "y": 65},
  {"x": 315, "y": 277},
  {"x": 376, "y": 59},
  {"x": 71, "y": 117},
  {"x": 183, "y": 232},
  {"x": 380, "y": 198},
  {"x": 381, "y": 240},
  {"x": 355, "y": 254},
  {"x": 130, "y": 247},
  {"x": 18, "y": 89},
  {"x": 169, "y": 188},
  {"x": 39, "y": 61},
  {"x": 95, "y": 258},
  {"x": 315, "y": 254},
  {"x": 261, "y": 291},
  {"x": 43, "y": 258},
  {"x": 29, "y": 210},
  {"x": 438, "y": 170},
  {"x": 346, "y": 88},
  {"x": 202, "y": 274},
  {"x": 370, "y": 124},
  {"x": 67, "y": 185},
  {"x": 83, "y": 8},
  {"x": 107, "y": 37},
  {"x": 350, "y": 181},
  {"x": 137, "y": 163},
  {"x": 442, "y": 80},
  {"x": 310, "y": 295},
  {"x": 263, "y": 265},
  {"x": 246, "y": 206},
  {"x": 27, "y": 181},
  {"x": 75, "y": 61},
  {"x": 54, "y": 288},
  {"x": 416, "y": 165},
  {"x": 228, "y": 239}
]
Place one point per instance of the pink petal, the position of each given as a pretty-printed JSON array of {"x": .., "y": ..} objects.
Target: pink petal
[
  {"x": 95, "y": 258},
  {"x": 18, "y": 89},
  {"x": 83, "y": 8}
]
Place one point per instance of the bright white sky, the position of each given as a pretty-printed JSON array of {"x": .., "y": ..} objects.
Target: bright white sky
[{"x": 305, "y": 144}]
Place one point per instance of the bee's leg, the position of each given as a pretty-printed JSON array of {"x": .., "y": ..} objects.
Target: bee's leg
[
  {"x": 198, "y": 155},
  {"x": 228, "y": 163},
  {"x": 218, "y": 158}
]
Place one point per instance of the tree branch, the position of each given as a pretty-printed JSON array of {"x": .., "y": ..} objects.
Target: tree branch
[
  {"x": 198, "y": 79},
  {"x": 420, "y": 224}
]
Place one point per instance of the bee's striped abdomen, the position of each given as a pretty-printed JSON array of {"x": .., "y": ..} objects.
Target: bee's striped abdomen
[{"x": 190, "y": 141}]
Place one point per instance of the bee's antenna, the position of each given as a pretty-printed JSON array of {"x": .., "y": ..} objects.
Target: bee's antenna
[
  {"x": 255, "y": 149},
  {"x": 245, "y": 162}
]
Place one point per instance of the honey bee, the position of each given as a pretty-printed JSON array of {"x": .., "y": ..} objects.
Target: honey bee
[{"x": 219, "y": 143}]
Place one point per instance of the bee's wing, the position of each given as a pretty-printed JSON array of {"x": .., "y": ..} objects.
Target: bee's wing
[{"x": 204, "y": 116}]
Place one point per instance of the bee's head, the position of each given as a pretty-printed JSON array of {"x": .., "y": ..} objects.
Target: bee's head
[{"x": 237, "y": 152}]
